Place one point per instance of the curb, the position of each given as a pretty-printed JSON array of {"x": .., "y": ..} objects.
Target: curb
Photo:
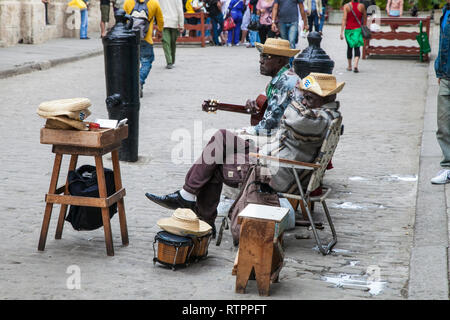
[
  {"x": 429, "y": 278},
  {"x": 46, "y": 64}
]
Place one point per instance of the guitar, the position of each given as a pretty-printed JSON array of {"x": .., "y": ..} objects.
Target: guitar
[{"x": 256, "y": 114}]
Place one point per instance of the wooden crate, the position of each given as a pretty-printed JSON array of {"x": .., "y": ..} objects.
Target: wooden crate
[{"x": 88, "y": 139}]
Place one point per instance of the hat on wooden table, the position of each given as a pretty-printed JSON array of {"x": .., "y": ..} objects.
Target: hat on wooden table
[
  {"x": 184, "y": 222},
  {"x": 65, "y": 113}
]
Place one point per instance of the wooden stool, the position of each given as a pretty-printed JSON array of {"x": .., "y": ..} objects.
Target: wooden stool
[
  {"x": 86, "y": 143},
  {"x": 260, "y": 252}
]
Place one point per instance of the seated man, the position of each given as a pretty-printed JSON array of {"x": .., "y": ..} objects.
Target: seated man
[
  {"x": 274, "y": 62},
  {"x": 225, "y": 158}
]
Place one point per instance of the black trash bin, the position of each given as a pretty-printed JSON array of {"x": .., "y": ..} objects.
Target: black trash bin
[{"x": 121, "y": 52}]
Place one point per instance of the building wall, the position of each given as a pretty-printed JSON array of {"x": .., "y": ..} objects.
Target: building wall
[{"x": 23, "y": 21}]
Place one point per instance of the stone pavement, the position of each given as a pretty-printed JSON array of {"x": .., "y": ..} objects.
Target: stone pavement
[{"x": 391, "y": 222}]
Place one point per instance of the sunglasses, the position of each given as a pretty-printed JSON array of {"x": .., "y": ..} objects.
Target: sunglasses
[{"x": 265, "y": 56}]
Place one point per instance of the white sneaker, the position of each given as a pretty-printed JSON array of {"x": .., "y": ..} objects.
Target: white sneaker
[{"x": 442, "y": 177}]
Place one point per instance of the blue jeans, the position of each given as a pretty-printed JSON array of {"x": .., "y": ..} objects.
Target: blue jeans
[
  {"x": 322, "y": 18},
  {"x": 235, "y": 33},
  {"x": 289, "y": 31},
  {"x": 313, "y": 19},
  {"x": 84, "y": 23},
  {"x": 147, "y": 57},
  {"x": 443, "y": 121},
  {"x": 254, "y": 35},
  {"x": 217, "y": 27}
]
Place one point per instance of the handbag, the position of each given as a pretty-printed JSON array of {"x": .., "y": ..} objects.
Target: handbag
[
  {"x": 228, "y": 24},
  {"x": 254, "y": 25},
  {"x": 256, "y": 190},
  {"x": 83, "y": 183},
  {"x": 365, "y": 31}
]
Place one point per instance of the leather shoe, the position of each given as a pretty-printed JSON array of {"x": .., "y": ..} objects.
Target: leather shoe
[{"x": 171, "y": 201}]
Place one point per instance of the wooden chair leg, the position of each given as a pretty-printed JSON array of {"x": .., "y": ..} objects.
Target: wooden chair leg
[
  {"x": 49, "y": 206},
  {"x": 62, "y": 212},
  {"x": 105, "y": 211},
  {"x": 120, "y": 203}
]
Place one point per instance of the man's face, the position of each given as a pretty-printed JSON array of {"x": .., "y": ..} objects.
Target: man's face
[
  {"x": 269, "y": 64},
  {"x": 312, "y": 100}
]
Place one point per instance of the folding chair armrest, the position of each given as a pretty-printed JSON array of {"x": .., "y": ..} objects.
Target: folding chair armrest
[{"x": 287, "y": 162}]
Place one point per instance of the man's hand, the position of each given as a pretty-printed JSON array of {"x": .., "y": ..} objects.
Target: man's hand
[
  {"x": 158, "y": 34},
  {"x": 248, "y": 130},
  {"x": 252, "y": 105},
  {"x": 181, "y": 30},
  {"x": 274, "y": 27}
]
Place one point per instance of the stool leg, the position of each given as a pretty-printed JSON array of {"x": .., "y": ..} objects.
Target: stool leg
[
  {"x": 62, "y": 212},
  {"x": 105, "y": 211},
  {"x": 49, "y": 206},
  {"x": 120, "y": 203}
]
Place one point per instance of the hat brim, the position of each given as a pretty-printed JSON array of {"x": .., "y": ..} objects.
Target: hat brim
[
  {"x": 324, "y": 93},
  {"x": 176, "y": 227},
  {"x": 75, "y": 124},
  {"x": 72, "y": 104},
  {"x": 76, "y": 115},
  {"x": 263, "y": 48}
]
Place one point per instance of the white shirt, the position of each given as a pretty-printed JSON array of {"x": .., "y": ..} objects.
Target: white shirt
[{"x": 173, "y": 13}]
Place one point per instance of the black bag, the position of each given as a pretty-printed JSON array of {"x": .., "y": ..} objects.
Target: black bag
[
  {"x": 83, "y": 183},
  {"x": 254, "y": 25}
]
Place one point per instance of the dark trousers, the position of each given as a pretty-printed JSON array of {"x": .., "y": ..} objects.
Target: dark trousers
[
  {"x": 265, "y": 32},
  {"x": 313, "y": 20},
  {"x": 205, "y": 178},
  {"x": 350, "y": 53}
]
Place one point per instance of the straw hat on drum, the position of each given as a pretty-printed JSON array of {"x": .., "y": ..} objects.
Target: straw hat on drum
[
  {"x": 279, "y": 47},
  {"x": 184, "y": 222},
  {"x": 322, "y": 84}
]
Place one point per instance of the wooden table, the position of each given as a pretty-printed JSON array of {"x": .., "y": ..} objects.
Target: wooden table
[
  {"x": 260, "y": 251},
  {"x": 393, "y": 34},
  {"x": 86, "y": 143}
]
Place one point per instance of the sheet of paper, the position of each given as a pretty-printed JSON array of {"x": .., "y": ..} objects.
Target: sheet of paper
[{"x": 106, "y": 123}]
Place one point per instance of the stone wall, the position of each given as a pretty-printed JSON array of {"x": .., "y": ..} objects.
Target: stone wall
[{"x": 23, "y": 21}]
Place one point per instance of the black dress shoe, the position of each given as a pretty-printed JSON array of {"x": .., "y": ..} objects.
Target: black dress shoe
[{"x": 171, "y": 201}]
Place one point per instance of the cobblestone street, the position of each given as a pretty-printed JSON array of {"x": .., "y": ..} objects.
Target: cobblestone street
[{"x": 373, "y": 204}]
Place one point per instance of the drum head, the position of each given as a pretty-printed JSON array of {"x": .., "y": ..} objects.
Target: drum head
[{"x": 173, "y": 239}]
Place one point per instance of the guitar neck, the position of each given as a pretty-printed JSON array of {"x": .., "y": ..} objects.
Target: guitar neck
[{"x": 234, "y": 108}]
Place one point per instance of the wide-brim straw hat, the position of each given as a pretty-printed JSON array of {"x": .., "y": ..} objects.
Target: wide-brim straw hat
[
  {"x": 279, "y": 47},
  {"x": 322, "y": 84},
  {"x": 76, "y": 115},
  {"x": 184, "y": 222},
  {"x": 61, "y": 105}
]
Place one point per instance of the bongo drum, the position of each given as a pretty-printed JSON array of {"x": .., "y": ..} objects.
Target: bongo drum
[
  {"x": 173, "y": 250},
  {"x": 201, "y": 244}
]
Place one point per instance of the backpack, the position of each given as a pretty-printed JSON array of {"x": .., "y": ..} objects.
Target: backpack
[
  {"x": 83, "y": 183},
  {"x": 141, "y": 21}
]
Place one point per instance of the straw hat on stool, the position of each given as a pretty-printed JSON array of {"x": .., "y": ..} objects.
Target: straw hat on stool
[{"x": 65, "y": 113}]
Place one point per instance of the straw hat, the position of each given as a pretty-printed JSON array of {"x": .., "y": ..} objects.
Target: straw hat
[
  {"x": 63, "y": 122},
  {"x": 322, "y": 84},
  {"x": 73, "y": 104},
  {"x": 65, "y": 113},
  {"x": 184, "y": 222},
  {"x": 279, "y": 47}
]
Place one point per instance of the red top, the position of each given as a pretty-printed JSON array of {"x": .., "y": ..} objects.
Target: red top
[{"x": 351, "y": 21}]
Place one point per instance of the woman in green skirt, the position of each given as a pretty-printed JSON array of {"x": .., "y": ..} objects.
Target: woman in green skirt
[{"x": 354, "y": 16}]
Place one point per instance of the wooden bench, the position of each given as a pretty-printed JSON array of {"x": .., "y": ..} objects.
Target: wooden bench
[
  {"x": 393, "y": 34},
  {"x": 260, "y": 252},
  {"x": 85, "y": 143},
  {"x": 202, "y": 27}
]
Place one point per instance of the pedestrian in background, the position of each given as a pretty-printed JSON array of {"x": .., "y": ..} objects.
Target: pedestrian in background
[
  {"x": 214, "y": 8},
  {"x": 354, "y": 14},
  {"x": 394, "y": 8},
  {"x": 192, "y": 6},
  {"x": 264, "y": 11},
  {"x": 285, "y": 20},
  {"x": 313, "y": 13},
  {"x": 235, "y": 9},
  {"x": 322, "y": 15},
  {"x": 442, "y": 69},
  {"x": 147, "y": 56},
  {"x": 173, "y": 24},
  {"x": 104, "y": 18}
]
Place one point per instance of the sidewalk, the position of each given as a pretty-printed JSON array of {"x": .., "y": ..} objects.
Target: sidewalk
[
  {"x": 24, "y": 58},
  {"x": 384, "y": 207}
]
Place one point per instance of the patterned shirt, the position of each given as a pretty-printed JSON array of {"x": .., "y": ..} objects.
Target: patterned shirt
[{"x": 280, "y": 91}]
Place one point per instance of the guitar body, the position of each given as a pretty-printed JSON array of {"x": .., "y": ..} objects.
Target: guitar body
[{"x": 256, "y": 114}]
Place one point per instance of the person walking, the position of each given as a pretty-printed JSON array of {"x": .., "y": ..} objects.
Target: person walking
[
  {"x": 354, "y": 15},
  {"x": 235, "y": 9},
  {"x": 152, "y": 10},
  {"x": 214, "y": 8},
  {"x": 313, "y": 13},
  {"x": 173, "y": 24},
  {"x": 442, "y": 69},
  {"x": 322, "y": 15},
  {"x": 394, "y": 8},
  {"x": 285, "y": 19},
  {"x": 264, "y": 11},
  {"x": 104, "y": 16}
]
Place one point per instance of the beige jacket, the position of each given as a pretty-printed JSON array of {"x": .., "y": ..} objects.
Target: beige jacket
[
  {"x": 307, "y": 4},
  {"x": 173, "y": 13}
]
